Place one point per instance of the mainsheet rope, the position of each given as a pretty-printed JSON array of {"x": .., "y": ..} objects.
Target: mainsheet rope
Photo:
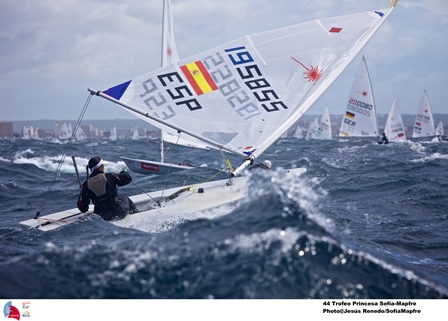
[
  {"x": 228, "y": 166},
  {"x": 61, "y": 162}
]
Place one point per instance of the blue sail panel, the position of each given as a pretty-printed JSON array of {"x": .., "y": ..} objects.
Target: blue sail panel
[{"x": 117, "y": 91}]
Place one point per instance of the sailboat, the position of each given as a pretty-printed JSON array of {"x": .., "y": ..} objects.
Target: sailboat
[
  {"x": 439, "y": 129},
  {"x": 424, "y": 120},
  {"x": 324, "y": 128},
  {"x": 394, "y": 128},
  {"x": 36, "y": 134},
  {"x": 239, "y": 97},
  {"x": 298, "y": 133},
  {"x": 169, "y": 56},
  {"x": 64, "y": 132},
  {"x": 360, "y": 118},
  {"x": 113, "y": 134},
  {"x": 69, "y": 130},
  {"x": 135, "y": 136},
  {"x": 80, "y": 134},
  {"x": 312, "y": 130},
  {"x": 26, "y": 133}
]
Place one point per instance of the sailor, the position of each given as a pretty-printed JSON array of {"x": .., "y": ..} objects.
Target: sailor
[
  {"x": 439, "y": 138},
  {"x": 266, "y": 165},
  {"x": 384, "y": 140},
  {"x": 101, "y": 189}
]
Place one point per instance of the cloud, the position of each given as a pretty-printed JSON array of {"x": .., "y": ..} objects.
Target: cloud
[{"x": 53, "y": 50}]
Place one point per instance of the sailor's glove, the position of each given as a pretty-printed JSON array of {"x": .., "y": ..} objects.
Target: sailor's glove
[{"x": 82, "y": 207}]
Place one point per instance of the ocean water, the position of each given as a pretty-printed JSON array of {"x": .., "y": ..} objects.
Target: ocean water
[{"x": 366, "y": 221}]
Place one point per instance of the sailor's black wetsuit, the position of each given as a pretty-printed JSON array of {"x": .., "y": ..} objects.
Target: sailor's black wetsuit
[{"x": 101, "y": 188}]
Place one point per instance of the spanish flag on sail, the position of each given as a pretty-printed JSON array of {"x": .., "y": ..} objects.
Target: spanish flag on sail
[{"x": 199, "y": 78}]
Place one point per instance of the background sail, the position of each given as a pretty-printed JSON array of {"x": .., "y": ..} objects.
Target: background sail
[
  {"x": 245, "y": 94},
  {"x": 113, "y": 134},
  {"x": 312, "y": 130},
  {"x": 360, "y": 118},
  {"x": 439, "y": 129},
  {"x": 298, "y": 132},
  {"x": 135, "y": 136},
  {"x": 394, "y": 128},
  {"x": 26, "y": 133},
  {"x": 324, "y": 129},
  {"x": 424, "y": 121},
  {"x": 80, "y": 134},
  {"x": 64, "y": 132}
]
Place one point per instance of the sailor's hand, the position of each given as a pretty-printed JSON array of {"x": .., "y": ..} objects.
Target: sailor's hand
[{"x": 82, "y": 207}]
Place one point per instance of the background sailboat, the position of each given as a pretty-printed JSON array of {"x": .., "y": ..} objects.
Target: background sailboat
[
  {"x": 439, "y": 129},
  {"x": 298, "y": 133},
  {"x": 69, "y": 130},
  {"x": 64, "y": 132},
  {"x": 360, "y": 118},
  {"x": 394, "y": 128},
  {"x": 312, "y": 129},
  {"x": 113, "y": 134},
  {"x": 135, "y": 135},
  {"x": 80, "y": 134},
  {"x": 324, "y": 129},
  {"x": 25, "y": 133},
  {"x": 36, "y": 134},
  {"x": 169, "y": 56},
  {"x": 424, "y": 120}
]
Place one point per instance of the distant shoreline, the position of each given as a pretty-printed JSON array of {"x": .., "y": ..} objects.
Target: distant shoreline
[{"x": 125, "y": 125}]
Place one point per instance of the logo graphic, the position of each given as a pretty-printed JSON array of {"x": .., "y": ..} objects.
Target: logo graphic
[
  {"x": 312, "y": 74},
  {"x": 335, "y": 30},
  {"x": 11, "y": 311},
  {"x": 169, "y": 52}
]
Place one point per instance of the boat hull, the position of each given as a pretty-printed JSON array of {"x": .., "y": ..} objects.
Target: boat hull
[
  {"x": 148, "y": 167},
  {"x": 182, "y": 200}
]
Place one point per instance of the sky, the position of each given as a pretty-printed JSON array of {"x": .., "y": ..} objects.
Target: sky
[{"x": 52, "y": 51}]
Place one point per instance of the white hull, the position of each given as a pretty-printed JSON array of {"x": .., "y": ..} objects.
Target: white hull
[
  {"x": 148, "y": 167},
  {"x": 198, "y": 198}
]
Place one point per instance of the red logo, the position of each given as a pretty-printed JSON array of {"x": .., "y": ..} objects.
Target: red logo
[
  {"x": 150, "y": 167},
  {"x": 11, "y": 311},
  {"x": 312, "y": 74}
]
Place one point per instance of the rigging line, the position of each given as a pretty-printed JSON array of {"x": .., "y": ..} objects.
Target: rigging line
[
  {"x": 141, "y": 189},
  {"x": 64, "y": 154},
  {"x": 169, "y": 168}
]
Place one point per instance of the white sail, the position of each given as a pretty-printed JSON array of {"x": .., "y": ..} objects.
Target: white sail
[
  {"x": 360, "y": 118},
  {"x": 64, "y": 132},
  {"x": 26, "y": 133},
  {"x": 178, "y": 140},
  {"x": 80, "y": 134},
  {"x": 439, "y": 129},
  {"x": 324, "y": 128},
  {"x": 242, "y": 96},
  {"x": 394, "y": 128},
  {"x": 69, "y": 130},
  {"x": 135, "y": 136},
  {"x": 36, "y": 134},
  {"x": 169, "y": 48},
  {"x": 298, "y": 132},
  {"x": 424, "y": 120},
  {"x": 113, "y": 134},
  {"x": 312, "y": 130}
]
